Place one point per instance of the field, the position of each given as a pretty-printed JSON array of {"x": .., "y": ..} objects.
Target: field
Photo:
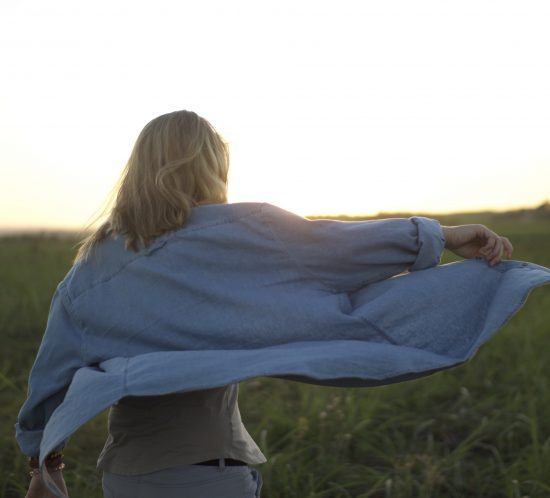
[{"x": 480, "y": 430}]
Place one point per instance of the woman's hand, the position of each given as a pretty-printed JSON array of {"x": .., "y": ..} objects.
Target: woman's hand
[
  {"x": 472, "y": 241},
  {"x": 38, "y": 489}
]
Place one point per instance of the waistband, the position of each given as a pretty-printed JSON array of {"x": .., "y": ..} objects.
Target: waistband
[{"x": 222, "y": 462}]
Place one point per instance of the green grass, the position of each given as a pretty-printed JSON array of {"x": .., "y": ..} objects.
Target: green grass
[{"x": 480, "y": 430}]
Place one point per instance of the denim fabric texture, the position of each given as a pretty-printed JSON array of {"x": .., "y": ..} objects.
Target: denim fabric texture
[
  {"x": 249, "y": 289},
  {"x": 189, "y": 481}
]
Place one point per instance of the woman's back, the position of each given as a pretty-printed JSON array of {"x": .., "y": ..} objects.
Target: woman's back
[
  {"x": 239, "y": 276},
  {"x": 179, "y": 291},
  {"x": 151, "y": 433}
]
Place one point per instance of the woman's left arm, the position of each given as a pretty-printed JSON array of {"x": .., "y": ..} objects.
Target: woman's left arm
[{"x": 58, "y": 358}]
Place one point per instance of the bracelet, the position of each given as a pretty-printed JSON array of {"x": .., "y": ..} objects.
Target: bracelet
[
  {"x": 36, "y": 471},
  {"x": 52, "y": 460}
]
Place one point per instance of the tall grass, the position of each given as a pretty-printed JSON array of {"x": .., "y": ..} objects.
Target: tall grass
[{"x": 480, "y": 430}]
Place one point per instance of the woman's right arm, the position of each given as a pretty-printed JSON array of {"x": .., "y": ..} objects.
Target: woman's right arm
[
  {"x": 475, "y": 241},
  {"x": 347, "y": 255}
]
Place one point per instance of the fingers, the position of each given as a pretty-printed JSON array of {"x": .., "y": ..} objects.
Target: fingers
[
  {"x": 470, "y": 241},
  {"x": 496, "y": 247},
  {"x": 508, "y": 247},
  {"x": 501, "y": 247},
  {"x": 490, "y": 244},
  {"x": 496, "y": 254}
]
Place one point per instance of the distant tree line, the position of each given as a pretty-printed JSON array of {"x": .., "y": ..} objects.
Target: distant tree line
[{"x": 541, "y": 212}]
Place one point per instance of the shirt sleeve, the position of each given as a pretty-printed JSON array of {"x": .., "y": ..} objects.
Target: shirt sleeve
[
  {"x": 348, "y": 255},
  {"x": 58, "y": 358}
]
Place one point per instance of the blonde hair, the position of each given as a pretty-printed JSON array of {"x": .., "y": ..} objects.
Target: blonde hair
[{"x": 178, "y": 161}]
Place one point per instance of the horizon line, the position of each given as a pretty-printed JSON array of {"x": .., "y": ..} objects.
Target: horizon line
[{"x": 68, "y": 230}]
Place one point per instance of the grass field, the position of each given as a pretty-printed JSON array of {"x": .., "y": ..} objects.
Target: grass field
[{"x": 480, "y": 430}]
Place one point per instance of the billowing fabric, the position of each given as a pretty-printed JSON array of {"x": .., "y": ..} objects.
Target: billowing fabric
[{"x": 247, "y": 290}]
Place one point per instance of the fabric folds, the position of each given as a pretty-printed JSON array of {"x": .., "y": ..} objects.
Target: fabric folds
[{"x": 247, "y": 290}]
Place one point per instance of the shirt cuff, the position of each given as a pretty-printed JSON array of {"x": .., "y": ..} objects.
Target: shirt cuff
[
  {"x": 430, "y": 243},
  {"x": 29, "y": 441}
]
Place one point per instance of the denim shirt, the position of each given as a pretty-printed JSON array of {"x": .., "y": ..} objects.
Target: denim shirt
[{"x": 248, "y": 289}]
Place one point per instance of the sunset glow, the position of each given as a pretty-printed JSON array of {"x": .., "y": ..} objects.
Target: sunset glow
[{"x": 349, "y": 107}]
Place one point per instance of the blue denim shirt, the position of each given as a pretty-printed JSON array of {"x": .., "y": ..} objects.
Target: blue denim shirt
[{"x": 248, "y": 289}]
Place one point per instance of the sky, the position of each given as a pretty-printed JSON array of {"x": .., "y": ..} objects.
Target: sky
[{"x": 352, "y": 107}]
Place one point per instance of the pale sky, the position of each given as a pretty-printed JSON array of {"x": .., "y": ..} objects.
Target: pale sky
[{"x": 329, "y": 107}]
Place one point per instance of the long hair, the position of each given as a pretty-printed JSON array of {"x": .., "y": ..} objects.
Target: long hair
[{"x": 178, "y": 161}]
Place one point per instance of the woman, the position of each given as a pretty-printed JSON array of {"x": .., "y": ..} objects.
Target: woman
[{"x": 178, "y": 296}]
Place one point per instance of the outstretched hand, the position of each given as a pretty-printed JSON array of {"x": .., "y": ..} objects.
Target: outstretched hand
[{"x": 473, "y": 241}]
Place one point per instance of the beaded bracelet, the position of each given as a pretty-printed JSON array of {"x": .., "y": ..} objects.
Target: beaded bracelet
[
  {"x": 53, "y": 462},
  {"x": 36, "y": 471}
]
